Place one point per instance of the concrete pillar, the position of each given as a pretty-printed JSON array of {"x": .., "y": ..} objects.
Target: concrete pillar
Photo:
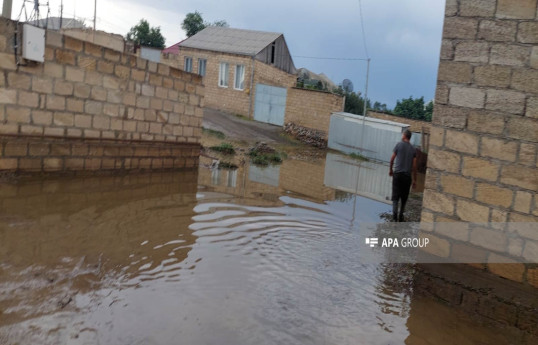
[{"x": 6, "y": 9}]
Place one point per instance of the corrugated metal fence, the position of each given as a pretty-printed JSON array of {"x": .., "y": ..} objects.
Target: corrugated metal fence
[
  {"x": 378, "y": 136},
  {"x": 369, "y": 179}
]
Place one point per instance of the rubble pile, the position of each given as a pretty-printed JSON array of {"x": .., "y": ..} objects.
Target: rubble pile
[
  {"x": 261, "y": 148},
  {"x": 306, "y": 135}
]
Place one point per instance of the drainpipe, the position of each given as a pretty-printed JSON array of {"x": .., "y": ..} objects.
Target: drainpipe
[
  {"x": 6, "y": 9},
  {"x": 251, "y": 88}
]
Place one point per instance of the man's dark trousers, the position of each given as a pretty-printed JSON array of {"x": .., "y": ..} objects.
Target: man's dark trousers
[{"x": 401, "y": 184}]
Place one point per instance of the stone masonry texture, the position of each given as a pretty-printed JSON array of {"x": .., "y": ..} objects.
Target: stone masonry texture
[
  {"x": 483, "y": 155},
  {"x": 312, "y": 109},
  {"x": 229, "y": 99},
  {"x": 305, "y": 108},
  {"x": 125, "y": 108}
]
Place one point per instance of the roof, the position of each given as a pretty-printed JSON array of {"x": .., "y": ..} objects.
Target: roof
[
  {"x": 228, "y": 40},
  {"x": 371, "y": 119},
  {"x": 173, "y": 49},
  {"x": 53, "y": 23}
]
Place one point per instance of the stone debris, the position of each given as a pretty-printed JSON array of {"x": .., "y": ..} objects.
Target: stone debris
[
  {"x": 306, "y": 135},
  {"x": 262, "y": 148}
]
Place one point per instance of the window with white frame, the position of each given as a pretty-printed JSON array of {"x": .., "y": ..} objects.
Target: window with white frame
[
  {"x": 188, "y": 64},
  {"x": 202, "y": 63},
  {"x": 239, "y": 83},
  {"x": 223, "y": 74}
]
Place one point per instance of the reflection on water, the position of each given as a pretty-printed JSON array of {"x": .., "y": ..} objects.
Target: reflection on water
[{"x": 250, "y": 256}]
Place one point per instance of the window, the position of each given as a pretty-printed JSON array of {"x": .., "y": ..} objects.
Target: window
[
  {"x": 201, "y": 66},
  {"x": 223, "y": 74},
  {"x": 188, "y": 64},
  {"x": 273, "y": 50},
  {"x": 239, "y": 83}
]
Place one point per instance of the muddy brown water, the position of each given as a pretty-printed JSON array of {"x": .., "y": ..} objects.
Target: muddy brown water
[{"x": 250, "y": 256}]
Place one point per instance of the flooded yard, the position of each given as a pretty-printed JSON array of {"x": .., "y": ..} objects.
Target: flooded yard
[{"x": 246, "y": 256}]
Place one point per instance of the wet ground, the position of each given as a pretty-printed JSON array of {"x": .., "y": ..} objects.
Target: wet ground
[
  {"x": 246, "y": 256},
  {"x": 241, "y": 128}
]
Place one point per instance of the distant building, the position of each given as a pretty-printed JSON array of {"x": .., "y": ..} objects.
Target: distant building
[{"x": 235, "y": 64}]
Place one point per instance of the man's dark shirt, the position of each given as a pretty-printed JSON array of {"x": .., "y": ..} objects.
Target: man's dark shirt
[{"x": 405, "y": 152}]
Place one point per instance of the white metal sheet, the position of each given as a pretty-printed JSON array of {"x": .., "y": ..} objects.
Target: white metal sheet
[
  {"x": 33, "y": 43},
  {"x": 270, "y": 104},
  {"x": 373, "y": 138}
]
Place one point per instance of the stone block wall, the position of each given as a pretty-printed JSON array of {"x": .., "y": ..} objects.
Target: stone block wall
[
  {"x": 89, "y": 95},
  {"x": 225, "y": 98},
  {"x": 229, "y": 99},
  {"x": 101, "y": 38},
  {"x": 269, "y": 75},
  {"x": 482, "y": 164},
  {"x": 312, "y": 109}
]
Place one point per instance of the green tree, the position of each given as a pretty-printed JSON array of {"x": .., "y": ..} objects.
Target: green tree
[
  {"x": 194, "y": 23},
  {"x": 221, "y": 23},
  {"x": 380, "y": 107},
  {"x": 145, "y": 35},
  {"x": 411, "y": 108},
  {"x": 354, "y": 103},
  {"x": 428, "y": 111}
]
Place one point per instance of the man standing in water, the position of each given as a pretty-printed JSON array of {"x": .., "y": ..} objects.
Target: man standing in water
[{"x": 406, "y": 162}]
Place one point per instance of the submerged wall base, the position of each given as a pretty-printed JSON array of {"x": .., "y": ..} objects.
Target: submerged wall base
[{"x": 46, "y": 154}]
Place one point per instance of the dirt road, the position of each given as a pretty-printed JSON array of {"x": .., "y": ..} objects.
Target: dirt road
[{"x": 240, "y": 128}]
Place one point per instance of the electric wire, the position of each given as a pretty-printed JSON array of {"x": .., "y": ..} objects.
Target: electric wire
[{"x": 363, "y": 31}]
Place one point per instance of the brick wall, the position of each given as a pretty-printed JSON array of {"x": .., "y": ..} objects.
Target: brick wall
[
  {"x": 414, "y": 125},
  {"x": 228, "y": 98},
  {"x": 482, "y": 158},
  {"x": 225, "y": 98},
  {"x": 312, "y": 109},
  {"x": 101, "y": 38},
  {"x": 88, "y": 95}
]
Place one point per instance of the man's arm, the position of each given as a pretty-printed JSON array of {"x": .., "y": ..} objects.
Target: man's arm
[
  {"x": 414, "y": 172},
  {"x": 392, "y": 163}
]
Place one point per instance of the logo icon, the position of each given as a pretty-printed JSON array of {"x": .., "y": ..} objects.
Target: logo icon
[{"x": 372, "y": 241}]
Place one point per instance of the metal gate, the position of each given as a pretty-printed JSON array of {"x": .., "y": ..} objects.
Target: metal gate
[{"x": 270, "y": 104}]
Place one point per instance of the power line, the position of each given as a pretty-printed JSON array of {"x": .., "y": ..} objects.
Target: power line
[
  {"x": 329, "y": 58},
  {"x": 363, "y": 33}
]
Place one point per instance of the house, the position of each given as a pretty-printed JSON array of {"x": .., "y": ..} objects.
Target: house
[
  {"x": 251, "y": 73},
  {"x": 245, "y": 72}
]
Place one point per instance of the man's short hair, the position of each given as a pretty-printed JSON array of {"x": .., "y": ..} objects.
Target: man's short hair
[{"x": 407, "y": 134}]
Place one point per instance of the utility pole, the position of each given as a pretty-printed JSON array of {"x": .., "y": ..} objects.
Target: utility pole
[
  {"x": 6, "y": 9},
  {"x": 94, "y": 18},
  {"x": 61, "y": 13},
  {"x": 362, "y": 137},
  {"x": 365, "y": 104},
  {"x": 94, "y": 14}
]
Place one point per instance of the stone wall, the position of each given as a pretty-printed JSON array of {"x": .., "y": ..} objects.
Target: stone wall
[
  {"x": 414, "y": 125},
  {"x": 224, "y": 98},
  {"x": 482, "y": 159},
  {"x": 312, "y": 109},
  {"x": 229, "y": 99},
  {"x": 112, "y": 104},
  {"x": 101, "y": 38}
]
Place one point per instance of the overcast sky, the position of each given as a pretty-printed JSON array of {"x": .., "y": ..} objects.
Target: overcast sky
[{"x": 403, "y": 37}]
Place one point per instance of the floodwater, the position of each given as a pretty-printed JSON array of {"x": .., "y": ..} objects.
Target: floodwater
[{"x": 249, "y": 256}]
